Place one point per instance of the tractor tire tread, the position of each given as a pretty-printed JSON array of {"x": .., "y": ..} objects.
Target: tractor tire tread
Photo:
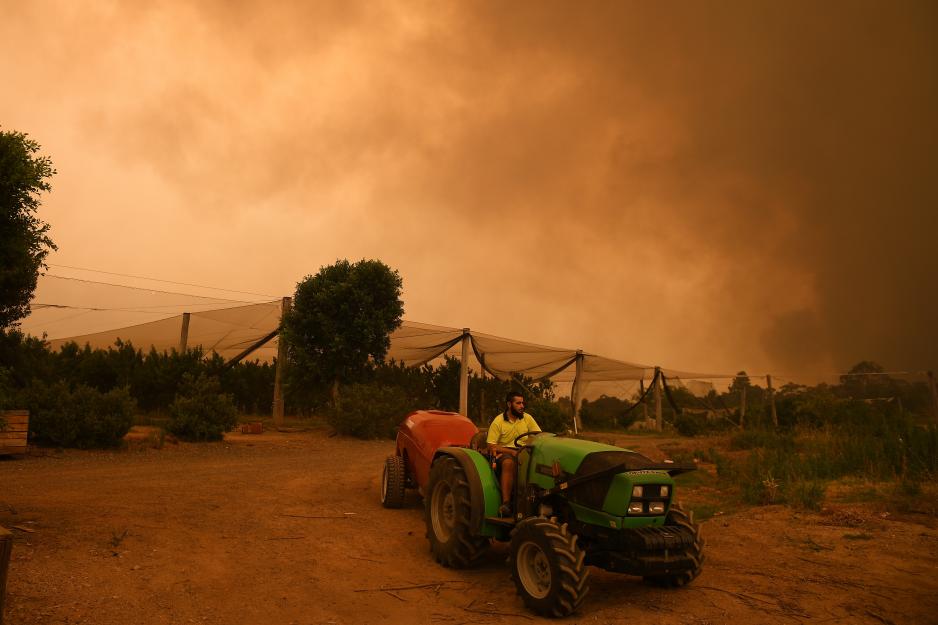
[
  {"x": 394, "y": 482},
  {"x": 566, "y": 595},
  {"x": 462, "y": 548},
  {"x": 678, "y": 517}
]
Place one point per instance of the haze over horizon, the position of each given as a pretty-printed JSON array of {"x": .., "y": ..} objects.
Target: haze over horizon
[{"x": 708, "y": 186}]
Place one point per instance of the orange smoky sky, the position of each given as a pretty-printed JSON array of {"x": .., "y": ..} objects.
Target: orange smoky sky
[{"x": 704, "y": 185}]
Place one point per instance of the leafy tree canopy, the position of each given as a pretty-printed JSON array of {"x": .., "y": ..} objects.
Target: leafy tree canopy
[
  {"x": 24, "y": 242},
  {"x": 342, "y": 317}
]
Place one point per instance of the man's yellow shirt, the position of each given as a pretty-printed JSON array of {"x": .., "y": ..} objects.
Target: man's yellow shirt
[{"x": 503, "y": 432}]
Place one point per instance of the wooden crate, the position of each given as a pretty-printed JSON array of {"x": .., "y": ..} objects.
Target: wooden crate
[
  {"x": 13, "y": 434},
  {"x": 6, "y": 547}
]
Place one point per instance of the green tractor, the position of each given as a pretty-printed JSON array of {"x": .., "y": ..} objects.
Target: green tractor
[{"x": 576, "y": 504}]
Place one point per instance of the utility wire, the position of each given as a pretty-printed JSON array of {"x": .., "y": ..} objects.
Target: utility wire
[{"x": 127, "y": 275}]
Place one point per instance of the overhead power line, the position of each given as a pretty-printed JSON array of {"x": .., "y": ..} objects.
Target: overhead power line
[{"x": 127, "y": 275}]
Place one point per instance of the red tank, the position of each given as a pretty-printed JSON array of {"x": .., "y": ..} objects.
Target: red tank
[{"x": 425, "y": 431}]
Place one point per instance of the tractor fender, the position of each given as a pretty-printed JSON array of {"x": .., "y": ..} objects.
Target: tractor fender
[{"x": 483, "y": 487}]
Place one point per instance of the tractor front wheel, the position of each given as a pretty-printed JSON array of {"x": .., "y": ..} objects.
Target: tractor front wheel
[
  {"x": 393, "y": 481},
  {"x": 448, "y": 515},
  {"x": 693, "y": 554},
  {"x": 548, "y": 567}
]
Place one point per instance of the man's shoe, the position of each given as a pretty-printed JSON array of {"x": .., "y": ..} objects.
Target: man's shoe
[{"x": 505, "y": 511}]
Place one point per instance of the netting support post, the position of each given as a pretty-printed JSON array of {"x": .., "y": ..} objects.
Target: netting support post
[
  {"x": 464, "y": 374},
  {"x": 281, "y": 365},
  {"x": 934, "y": 393},
  {"x": 184, "y": 334},
  {"x": 641, "y": 393},
  {"x": 659, "y": 424},
  {"x": 481, "y": 389},
  {"x": 771, "y": 392},
  {"x": 576, "y": 391}
]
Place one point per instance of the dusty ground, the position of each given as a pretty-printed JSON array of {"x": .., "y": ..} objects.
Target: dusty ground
[{"x": 287, "y": 528}]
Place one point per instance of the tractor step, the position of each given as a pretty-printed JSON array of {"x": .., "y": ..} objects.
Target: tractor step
[{"x": 503, "y": 521}]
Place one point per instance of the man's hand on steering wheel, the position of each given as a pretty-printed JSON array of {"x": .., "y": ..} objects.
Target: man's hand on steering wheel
[{"x": 525, "y": 435}]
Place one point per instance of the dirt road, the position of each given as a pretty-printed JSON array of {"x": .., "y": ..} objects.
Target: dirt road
[{"x": 287, "y": 528}]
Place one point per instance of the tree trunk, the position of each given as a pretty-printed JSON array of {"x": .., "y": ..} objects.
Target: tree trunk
[{"x": 335, "y": 394}]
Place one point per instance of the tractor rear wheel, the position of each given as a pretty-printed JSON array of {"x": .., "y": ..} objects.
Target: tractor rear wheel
[
  {"x": 448, "y": 514},
  {"x": 548, "y": 568},
  {"x": 677, "y": 517},
  {"x": 393, "y": 482}
]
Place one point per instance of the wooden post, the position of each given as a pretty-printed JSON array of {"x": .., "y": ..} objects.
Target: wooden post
[
  {"x": 464, "y": 375},
  {"x": 771, "y": 392},
  {"x": 576, "y": 391},
  {"x": 641, "y": 393},
  {"x": 184, "y": 334},
  {"x": 742, "y": 406},
  {"x": 659, "y": 423},
  {"x": 6, "y": 548},
  {"x": 934, "y": 393},
  {"x": 482, "y": 390},
  {"x": 281, "y": 364}
]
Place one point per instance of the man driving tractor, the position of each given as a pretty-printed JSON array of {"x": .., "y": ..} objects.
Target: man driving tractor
[{"x": 503, "y": 432}]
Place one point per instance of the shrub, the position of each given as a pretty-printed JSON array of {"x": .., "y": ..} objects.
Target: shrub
[
  {"x": 767, "y": 439},
  {"x": 690, "y": 424},
  {"x": 807, "y": 494},
  {"x": 370, "y": 410},
  {"x": 607, "y": 412},
  {"x": 83, "y": 417},
  {"x": 550, "y": 416},
  {"x": 201, "y": 411}
]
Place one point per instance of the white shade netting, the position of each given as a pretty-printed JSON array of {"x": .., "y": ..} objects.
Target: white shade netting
[{"x": 235, "y": 329}]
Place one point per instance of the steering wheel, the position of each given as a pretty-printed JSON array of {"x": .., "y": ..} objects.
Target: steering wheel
[{"x": 514, "y": 443}]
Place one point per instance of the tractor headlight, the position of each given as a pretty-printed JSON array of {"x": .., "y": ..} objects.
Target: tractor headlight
[
  {"x": 637, "y": 491},
  {"x": 664, "y": 490},
  {"x": 656, "y": 507},
  {"x": 636, "y": 508}
]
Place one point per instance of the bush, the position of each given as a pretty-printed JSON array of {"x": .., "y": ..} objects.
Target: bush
[
  {"x": 550, "y": 416},
  {"x": 370, "y": 410},
  {"x": 83, "y": 417},
  {"x": 201, "y": 411},
  {"x": 807, "y": 494},
  {"x": 690, "y": 424},
  {"x": 607, "y": 412},
  {"x": 766, "y": 439}
]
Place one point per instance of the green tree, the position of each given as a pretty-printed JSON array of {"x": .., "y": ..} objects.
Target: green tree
[
  {"x": 341, "y": 319},
  {"x": 24, "y": 242}
]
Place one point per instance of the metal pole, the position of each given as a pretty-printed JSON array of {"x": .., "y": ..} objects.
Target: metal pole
[
  {"x": 659, "y": 424},
  {"x": 771, "y": 391},
  {"x": 281, "y": 364},
  {"x": 184, "y": 334},
  {"x": 575, "y": 391},
  {"x": 464, "y": 375}
]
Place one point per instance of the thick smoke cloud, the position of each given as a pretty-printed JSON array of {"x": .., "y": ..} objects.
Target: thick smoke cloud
[{"x": 709, "y": 186}]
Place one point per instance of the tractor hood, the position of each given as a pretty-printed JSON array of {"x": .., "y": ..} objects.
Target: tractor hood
[{"x": 598, "y": 476}]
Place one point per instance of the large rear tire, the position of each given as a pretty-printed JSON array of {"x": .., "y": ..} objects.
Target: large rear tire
[
  {"x": 393, "y": 482},
  {"x": 448, "y": 513},
  {"x": 548, "y": 568},
  {"x": 678, "y": 517}
]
